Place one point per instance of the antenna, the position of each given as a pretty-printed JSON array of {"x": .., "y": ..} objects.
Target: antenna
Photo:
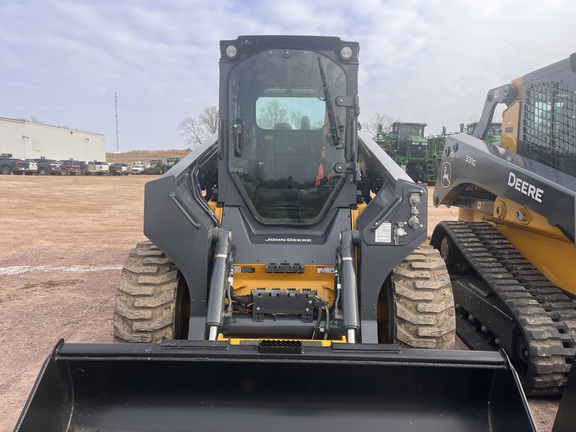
[{"x": 116, "y": 110}]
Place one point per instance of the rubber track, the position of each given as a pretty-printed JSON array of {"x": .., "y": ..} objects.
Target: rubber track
[{"x": 546, "y": 316}]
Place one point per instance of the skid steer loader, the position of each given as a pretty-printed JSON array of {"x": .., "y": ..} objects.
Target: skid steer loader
[
  {"x": 511, "y": 256},
  {"x": 284, "y": 286}
]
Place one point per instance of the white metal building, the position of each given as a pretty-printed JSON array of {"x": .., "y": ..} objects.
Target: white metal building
[{"x": 25, "y": 139}]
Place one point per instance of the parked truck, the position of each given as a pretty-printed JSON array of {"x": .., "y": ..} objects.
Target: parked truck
[
  {"x": 102, "y": 168},
  {"x": 48, "y": 167},
  {"x": 9, "y": 165},
  {"x": 70, "y": 167}
]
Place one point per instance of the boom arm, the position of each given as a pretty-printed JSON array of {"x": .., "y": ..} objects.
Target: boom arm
[
  {"x": 504, "y": 94},
  {"x": 469, "y": 163}
]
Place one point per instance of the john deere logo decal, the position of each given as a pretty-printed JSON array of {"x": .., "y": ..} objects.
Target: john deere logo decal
[{"x": 446, "y": 174}]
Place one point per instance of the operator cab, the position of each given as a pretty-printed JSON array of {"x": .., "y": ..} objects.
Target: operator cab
[{"x": 286, "y": 140}]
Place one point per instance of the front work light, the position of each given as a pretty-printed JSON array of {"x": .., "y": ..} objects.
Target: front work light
[
  {"x": 231, "y": 51},
  {"x": 346, "y": 52}
]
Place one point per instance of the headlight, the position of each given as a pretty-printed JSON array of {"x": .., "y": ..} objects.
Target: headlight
[
  {"x": 346, "y": 52},
  {"x": 231, "y": 51}
]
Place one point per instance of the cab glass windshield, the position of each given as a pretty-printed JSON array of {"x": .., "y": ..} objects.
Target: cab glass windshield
[{"x": 287, "y": 135}]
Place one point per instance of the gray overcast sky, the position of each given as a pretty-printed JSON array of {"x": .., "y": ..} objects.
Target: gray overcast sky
[{"x": 420, "y": 60}]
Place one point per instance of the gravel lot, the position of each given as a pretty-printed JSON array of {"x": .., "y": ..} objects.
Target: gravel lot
[{"x": 64, "y": 240}]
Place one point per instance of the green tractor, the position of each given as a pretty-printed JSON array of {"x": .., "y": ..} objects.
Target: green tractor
[
  {"x": 436, "y": 146},
  {"x": 434, "y": 155},
  {"x": 171, "y": 162},
  {"x": 157, "y": 166},
  {"x": 408, "y": 147},
  {"x": 493, "y": 134}
]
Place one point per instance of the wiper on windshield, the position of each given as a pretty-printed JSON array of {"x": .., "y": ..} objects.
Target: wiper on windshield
[{"x": 329, "y": 107}]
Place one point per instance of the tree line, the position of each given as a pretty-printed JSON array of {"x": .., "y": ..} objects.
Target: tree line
[{"x": 195, "y": 130}]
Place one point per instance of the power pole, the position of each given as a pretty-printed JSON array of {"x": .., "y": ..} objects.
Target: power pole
[{"x": 116, "y": 109}]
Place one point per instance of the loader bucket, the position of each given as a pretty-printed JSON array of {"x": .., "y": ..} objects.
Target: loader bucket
[
  {"x": 215, "y": 386},
  {"x": 566, "y": 417}
]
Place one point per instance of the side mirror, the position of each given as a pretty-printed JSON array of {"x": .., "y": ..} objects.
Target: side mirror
[{"x": 237, "y": 138}]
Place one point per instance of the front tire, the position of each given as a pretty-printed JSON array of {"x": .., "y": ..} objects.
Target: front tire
[
  {"x": 147, "y": 298},
  {"x": 425, "y": 315}
]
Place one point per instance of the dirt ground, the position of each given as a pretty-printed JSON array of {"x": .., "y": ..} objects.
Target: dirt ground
[
  {"x": 144, "y": 156},
  {"x": 64, "y": 241}
]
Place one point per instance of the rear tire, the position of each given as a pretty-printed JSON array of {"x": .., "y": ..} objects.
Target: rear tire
[
  {"x": 146, "y": 300},
  {"x": 425, "y": 315},
  {"x": 6, "y": 170}
]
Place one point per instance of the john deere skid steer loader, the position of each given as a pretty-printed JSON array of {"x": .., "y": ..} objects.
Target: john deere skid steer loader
[
  {"x": 512, "y": 254},
  {"x": 284, "y": 286}
]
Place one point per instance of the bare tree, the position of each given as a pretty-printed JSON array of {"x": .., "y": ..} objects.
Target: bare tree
[
  {"x": 379, "y": 118},
  {"x": 210, "y": 117},
  {"x": 35, "y": 119},
  {"x": 474, "y": 118},
  {"x": 296, "y": 119},
  {"x": 271, "y": 114},
  {"x": 197, "y": 129}
]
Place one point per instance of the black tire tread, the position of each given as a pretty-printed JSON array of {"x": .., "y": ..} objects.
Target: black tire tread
[
  {"x": 424, "y": 301},
  {"x": 145, "y": 301}
]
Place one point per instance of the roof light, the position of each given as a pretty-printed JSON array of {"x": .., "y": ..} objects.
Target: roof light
[
  {"x": 346, "y": 52},
  {"x": 231, "y": 51}
]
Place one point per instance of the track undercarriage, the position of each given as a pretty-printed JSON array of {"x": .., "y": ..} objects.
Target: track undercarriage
[{"x": 503, "y": 301}]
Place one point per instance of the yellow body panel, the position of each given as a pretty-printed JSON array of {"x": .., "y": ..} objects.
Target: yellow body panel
[
  {"x": 470, "y": 215},
  {"x": 510, "y": 116},
  {"x": 530, "y": 233},
  {"x": 318, "y": 277},
  {"x": 217, "y": 210},
  {"x": 315, "y": 277},
  {"x": 354, "y": 213},
  {"x": 252, "y": 276},
  {"x": 554, "y": 258}
]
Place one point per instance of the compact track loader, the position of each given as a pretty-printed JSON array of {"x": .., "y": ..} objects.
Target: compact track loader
[
  {"x": 284, "y": 286},
  {"x": 512, "y": 254}
]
